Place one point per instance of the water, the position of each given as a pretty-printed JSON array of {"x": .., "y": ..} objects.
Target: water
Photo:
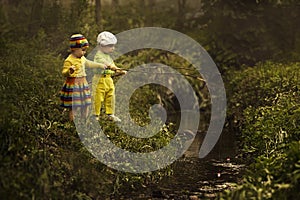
[{"x": 195, "y": 178}]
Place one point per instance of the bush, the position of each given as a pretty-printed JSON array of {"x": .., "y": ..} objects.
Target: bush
[
  {"x": 267, "y": 101},
  {"x": 259, "y": 86}
]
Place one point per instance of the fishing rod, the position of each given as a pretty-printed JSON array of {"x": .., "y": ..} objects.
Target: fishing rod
[{"x": 167, "y": 73}]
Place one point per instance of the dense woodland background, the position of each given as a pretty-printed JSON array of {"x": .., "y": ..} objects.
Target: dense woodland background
[
  {"x": 234, "y": 32},
  {"x": 255, "y": 44}
]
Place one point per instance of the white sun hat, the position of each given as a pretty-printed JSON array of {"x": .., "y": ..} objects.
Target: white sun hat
[{"x": 106, "y": 38}]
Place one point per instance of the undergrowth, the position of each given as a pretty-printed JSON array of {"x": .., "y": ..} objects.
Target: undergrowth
[{"x": 264, "y": 104}]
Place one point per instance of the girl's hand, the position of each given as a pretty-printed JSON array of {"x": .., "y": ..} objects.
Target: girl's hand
[{"x": 72, "y": 69}]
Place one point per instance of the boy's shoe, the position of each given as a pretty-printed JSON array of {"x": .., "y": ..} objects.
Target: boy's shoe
[
  {"x": 96, "y": 117},
  {"x": 114, "y": 118}
]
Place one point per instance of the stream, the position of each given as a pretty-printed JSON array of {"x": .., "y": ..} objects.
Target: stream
[{"x": 195, "y": 178}]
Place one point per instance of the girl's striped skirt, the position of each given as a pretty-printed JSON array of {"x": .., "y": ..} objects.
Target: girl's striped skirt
[{"x": 75, "y": 92}]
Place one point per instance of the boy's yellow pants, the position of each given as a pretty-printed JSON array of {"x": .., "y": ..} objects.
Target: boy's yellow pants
[{"x": 103, "y": 91}]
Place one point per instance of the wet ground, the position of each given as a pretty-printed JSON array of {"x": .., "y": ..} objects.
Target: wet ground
[{"x": 195, "y": 178}]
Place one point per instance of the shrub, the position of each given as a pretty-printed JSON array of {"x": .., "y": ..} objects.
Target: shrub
[{"x": 267, "y": 101}]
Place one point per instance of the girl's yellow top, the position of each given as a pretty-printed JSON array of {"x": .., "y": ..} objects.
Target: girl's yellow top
[{"x": 79, "y": 65}]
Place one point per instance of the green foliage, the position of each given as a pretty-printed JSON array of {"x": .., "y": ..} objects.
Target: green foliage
[
  {"x": 265, "y": 101},
  {"x": 259, "y": 86},
  {"x": 160, "y": 94},
  {"x": 270, "y": 128},
  {"x": 135, "y": 14},
  {"x": 246, "y": 32},
  {"x": 123, "y": 180},
  {"x": 233, "y": 32},
  {"x": 38, "y": 150},
  {"x": 41, "y": 153}
]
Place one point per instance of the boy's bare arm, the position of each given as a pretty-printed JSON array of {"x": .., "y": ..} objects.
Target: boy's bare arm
[{"x": 92, "y": 64}]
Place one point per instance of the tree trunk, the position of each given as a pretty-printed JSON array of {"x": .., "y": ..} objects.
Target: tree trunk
[
  {"x": 115, "y": 5},
  {"x": 151, "y": 5},
  {"x": 180, "y": 16},
  {"x": 98, "y": 15},
  {"x": 142, "y": 4},
  {"x": 35, "y": 17}
]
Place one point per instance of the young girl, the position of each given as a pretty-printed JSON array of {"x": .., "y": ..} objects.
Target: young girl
[{"x": 75, "y": 94}]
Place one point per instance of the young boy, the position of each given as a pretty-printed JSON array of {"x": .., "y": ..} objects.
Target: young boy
[{"x": 103, "y": 86}]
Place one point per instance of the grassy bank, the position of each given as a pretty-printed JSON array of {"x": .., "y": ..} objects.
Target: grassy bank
[
  {"x": 42, "y": 156},
  {"x": 265, "y": 106}
]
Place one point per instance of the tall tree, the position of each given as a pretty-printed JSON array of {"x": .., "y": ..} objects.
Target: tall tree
[
  {"x": 150, "y": 7},
  {"x": 142, "y": 4},
  {"x": 115, "y": 5},
  {"x": 98, "y": 15},
  {"x": 35, "y": 18},
  {"x": 181, "y": 12}
]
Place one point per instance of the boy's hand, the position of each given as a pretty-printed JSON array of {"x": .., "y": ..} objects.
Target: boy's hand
[
  {"x": 114, "y": 68},
  {"x": 123, "y": 71},
  {"x": 120, "y": 72}
]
